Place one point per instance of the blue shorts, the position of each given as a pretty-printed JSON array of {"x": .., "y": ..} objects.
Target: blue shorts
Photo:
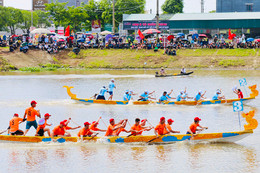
[
  {"x": 29, "y": 124},
  {"x": 110, "y": 92}
]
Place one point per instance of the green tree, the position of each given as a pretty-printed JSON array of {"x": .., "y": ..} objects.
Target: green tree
[
  {"x": 172, "y": 6},
  {"x": 94, "y": 12},
  {"x": 57, "y": 12},
  {"x": 27, "y": 20},
  {"x": 14, "y": 19},
  {"x": 76, "y": 16},
  {"x": 121, "y": 7},
  {"x": 3, "y": 18},
  {"x": 43, "y": 19}
]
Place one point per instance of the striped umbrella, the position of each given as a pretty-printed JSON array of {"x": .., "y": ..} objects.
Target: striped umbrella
[{"x": 151, "y": 31}]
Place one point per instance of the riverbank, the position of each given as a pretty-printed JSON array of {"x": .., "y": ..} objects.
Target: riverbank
[{"x": 37, "y": 60}]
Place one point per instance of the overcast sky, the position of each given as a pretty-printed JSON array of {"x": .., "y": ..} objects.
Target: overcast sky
[{"x": 190, "y": 6}]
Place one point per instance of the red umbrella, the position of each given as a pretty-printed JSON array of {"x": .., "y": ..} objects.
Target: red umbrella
[
  {"x": 257, "y": 40},
  {"x": 170, "y": 37},
  {"x": 151, "y": 31},
  {"x": 202, "y": 35},
  {"x": 61, "y": 40}
]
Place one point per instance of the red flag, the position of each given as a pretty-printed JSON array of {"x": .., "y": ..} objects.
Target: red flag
[
  {"x": 230, "y": 35},
  {"x": 140, "y": 34},
  {"x": 67, "y": 31}
]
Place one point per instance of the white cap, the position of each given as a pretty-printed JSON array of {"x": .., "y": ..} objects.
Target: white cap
[
  {"x": 182, "y": 91},
  {"x": 112, "y": 79},
  {"x": 200, "y": 91},
  {"x": 127, "y": 91},
  {"x": 146, "y": 92}
]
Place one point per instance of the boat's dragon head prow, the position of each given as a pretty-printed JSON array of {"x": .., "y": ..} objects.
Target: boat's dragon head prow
[
  {"x": 252, "y": 123},
  {"x": 254, "y": 91},
  {"x": 69, "y": 92}
]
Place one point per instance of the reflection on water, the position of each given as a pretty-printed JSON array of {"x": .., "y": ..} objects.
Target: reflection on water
[{"x": 103, "y": 157}]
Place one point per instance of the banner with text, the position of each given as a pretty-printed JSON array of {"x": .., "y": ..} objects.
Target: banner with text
[
  {"x": 61, "y": 31},
  {"x": 142, "y": 25},
  {"x": 96, "y": 26}
]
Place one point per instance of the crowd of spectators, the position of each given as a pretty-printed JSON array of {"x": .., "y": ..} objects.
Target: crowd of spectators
[{"x": 52, "y": 44}]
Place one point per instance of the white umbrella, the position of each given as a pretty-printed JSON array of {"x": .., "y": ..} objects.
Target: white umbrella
[
  {"x": 105, "y": 32},
  {"x": 40, "y": 31}
]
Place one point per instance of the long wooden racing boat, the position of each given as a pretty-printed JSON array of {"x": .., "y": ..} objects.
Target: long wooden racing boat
[
  {"x": 208, "y": 137},
  {"x": 175, "y": 74},
  {"x": 253, "y": 94}
]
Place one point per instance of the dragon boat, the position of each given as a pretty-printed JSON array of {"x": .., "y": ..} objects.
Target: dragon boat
[
  {"x": 253, "y": 94},
  {"x": 223, "y": 137}
]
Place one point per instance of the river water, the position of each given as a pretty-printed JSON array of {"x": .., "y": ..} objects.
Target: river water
[{"x": 18, "y": 89}]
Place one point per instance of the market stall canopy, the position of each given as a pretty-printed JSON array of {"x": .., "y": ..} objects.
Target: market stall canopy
[
  {"x": 105, "y": 33},
  {"x": 108, "y": 37},
  {"x": 151, "y": 31},
  {"x": 40, "y": 31},
  {"x": 195, "y": 36},
  {"x": 257, "y": 40}
]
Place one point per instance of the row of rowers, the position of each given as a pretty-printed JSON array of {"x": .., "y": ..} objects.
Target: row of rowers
[{"x": 91, "y": 129}]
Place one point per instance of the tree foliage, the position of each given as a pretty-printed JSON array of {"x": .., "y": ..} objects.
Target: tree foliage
[{"x": 172, "y": 6}]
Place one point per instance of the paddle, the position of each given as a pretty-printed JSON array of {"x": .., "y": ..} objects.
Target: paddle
[
  {"x": 74, "y": 122},
  {"x": 8, "y": 128},
  {"x": 195, "y": 134},
  {"x": 93, "y": 137},
  {"x": 154, "y": 139}
]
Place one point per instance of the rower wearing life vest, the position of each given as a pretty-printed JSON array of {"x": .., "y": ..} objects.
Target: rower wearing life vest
[
  {"x": 200, "y": 96},
  {"x": 111, "y": 87},
  {"x": 145, "y": 96},
  {"x": 13, "y": 128},
  {"x": 31, "y": 119},
  {"x": 169, "y": 128},
  {"x": 112, "y": 127},
  {"x": 94, "y": 125},
  {"x": 239, "y": 93},
  {"x": 161, "y": 129},
  {"x": 122, "y": 123},
  {"x": 217, "y": 95},
  {"x": 59, "y": 131},
  {"x": 86, "y": 131},
  {"x": 193, "y": 127},
  {"x": 42, "y": 124},
  {"x": 102, "y": 92}
]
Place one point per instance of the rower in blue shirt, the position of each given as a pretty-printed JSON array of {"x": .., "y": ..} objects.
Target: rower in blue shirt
[
  {"x": 186, "y": 96},
  {"x": 111, "y": 87},
  {"x": 145, "y": 96},
  {"x": 217, "y": 95},
  {"x": 127, "y": 96},
  {"x": 199, "y": 96},
  {"x": 168, "y": 95},
  {"x": 163, "y": 98},
  {"x": 180, "y": 97},
  {"x": 102, "y": 92}
]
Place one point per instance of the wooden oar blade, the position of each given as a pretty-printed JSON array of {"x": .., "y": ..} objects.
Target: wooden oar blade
[{"x": 46, "y": 140}]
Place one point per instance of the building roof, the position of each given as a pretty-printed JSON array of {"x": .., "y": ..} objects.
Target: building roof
[
  {"x": 194, "y": 16},
  {"x": 216, "y": 16}
]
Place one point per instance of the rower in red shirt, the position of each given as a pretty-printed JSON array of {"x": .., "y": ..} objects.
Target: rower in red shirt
[
  {"x": 161, "y": 129},
  {"x": 86, "y": 132},
  {"x": 169, "y": 128},
  {"x": 122, "y": 123},
  {"x": 66, "y": 122},
  {"x": 94, "y": 125},
  {"x": 193, "y": 127},
  {"x": 239, "y": 93},
  {"x": 112, "y": 127},
  {"x": 59, "y": 131}
]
